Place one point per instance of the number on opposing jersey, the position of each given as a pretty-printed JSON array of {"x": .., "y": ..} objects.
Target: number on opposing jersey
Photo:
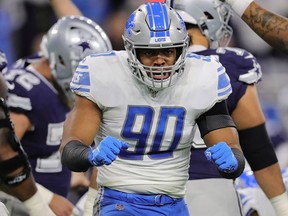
[
  {"x": 26, "y": 80},
  {"x": 54, "y": 134}
]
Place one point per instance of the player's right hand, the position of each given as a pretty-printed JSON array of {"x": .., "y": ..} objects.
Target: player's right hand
[{"x": 107, "y": 151}]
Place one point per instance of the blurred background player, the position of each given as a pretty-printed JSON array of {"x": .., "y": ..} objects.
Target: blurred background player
[
  {"x": 207, "y": 26},
  {"x": 39, "y": 99},
  {"x": 15, "y": 176},
  {"x": 85, "y": 202}
]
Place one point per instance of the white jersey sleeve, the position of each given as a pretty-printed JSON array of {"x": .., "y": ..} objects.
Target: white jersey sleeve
[{"x": 92, "y": 79}]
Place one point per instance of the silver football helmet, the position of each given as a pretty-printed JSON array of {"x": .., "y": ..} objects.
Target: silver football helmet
[
  {"x": 155, "y": 26},
  {"x": 67, "y": 42},
  {"x": 211, "y": 16}
]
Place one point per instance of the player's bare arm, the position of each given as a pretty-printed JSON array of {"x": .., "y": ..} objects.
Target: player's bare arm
[
  {"x": 269, "y": 178},
  {"x": 271, "y": 27},
  {"x": 83, "y": 120},
  {"x": 65, "y": 8}
]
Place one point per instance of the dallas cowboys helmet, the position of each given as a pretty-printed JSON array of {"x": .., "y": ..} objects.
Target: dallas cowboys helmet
[
  {"x": 155, "y": 26},
  {"x": 67, "y": 42},
  {"x": 211, "y": 16}
]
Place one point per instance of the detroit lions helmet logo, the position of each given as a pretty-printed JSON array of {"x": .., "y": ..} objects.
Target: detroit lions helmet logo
[{"x": 130, "y": 24}]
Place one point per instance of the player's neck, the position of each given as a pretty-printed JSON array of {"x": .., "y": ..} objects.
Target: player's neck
[
  {"x": 42, "y": 67},
  {"x": 197, "y": 38}
]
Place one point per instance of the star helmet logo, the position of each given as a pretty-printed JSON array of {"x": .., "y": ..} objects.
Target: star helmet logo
[
  {"x": 85, "y": 45},
  {"x": 83, "y": 41}
]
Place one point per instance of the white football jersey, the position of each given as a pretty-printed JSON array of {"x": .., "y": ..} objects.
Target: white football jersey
[{"x": 157, "y": 125}]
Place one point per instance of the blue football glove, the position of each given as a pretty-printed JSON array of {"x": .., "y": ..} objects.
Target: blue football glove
[
  {"x": 107, "y": 151},
  {"x": 222, "y": 155}
]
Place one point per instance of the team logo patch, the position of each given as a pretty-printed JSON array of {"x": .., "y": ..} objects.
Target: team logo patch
[{"x": 119, "y": 207}]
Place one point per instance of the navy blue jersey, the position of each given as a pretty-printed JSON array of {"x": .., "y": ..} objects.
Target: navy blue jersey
[
  {"x": 242, "y": 69},
  {"x": 34, "y": 96}
]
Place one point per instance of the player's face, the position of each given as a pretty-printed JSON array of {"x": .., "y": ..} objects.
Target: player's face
[{"x": 158, "y": 58}]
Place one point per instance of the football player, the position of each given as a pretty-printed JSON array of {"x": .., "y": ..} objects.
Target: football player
[{"x": 142, "y": 105}]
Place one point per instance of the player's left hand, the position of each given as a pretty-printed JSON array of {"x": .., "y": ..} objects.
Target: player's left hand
[{"x": 222, "y": 155}]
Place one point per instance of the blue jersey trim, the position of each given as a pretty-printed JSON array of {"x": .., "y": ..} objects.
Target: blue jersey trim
[
  {"x": 79, "y": 89},
  {"x": 83, "y": 67},
  {"x": 112, "y": 53}
]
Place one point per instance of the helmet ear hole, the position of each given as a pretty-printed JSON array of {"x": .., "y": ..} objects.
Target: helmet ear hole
[
  {"x": 61, "y": 60},
  {"x": 208, "y": 15}
]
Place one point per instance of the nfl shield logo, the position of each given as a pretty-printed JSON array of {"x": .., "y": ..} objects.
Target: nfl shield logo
[{"x": 119, "y": 207}]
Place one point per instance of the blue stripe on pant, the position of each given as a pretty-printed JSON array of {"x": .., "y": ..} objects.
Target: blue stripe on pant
[{"x": 115, "y": 203}]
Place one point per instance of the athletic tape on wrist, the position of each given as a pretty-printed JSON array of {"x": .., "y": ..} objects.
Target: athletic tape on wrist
[
  {"x": 91, "y": 195},
  {"x": 46, "y": 194},
  {"x": 280, "y": 204},
  {"x": 37, "y": 206}
]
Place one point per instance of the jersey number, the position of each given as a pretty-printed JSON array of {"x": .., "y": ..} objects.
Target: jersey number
[
  {"x": 26, "y": 80},
  {"x": 138, "y": 127}
]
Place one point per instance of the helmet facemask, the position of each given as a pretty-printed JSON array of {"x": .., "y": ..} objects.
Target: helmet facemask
[
  {"x": 167, "y": 75},
  {"x": 224, "y": 34}
]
